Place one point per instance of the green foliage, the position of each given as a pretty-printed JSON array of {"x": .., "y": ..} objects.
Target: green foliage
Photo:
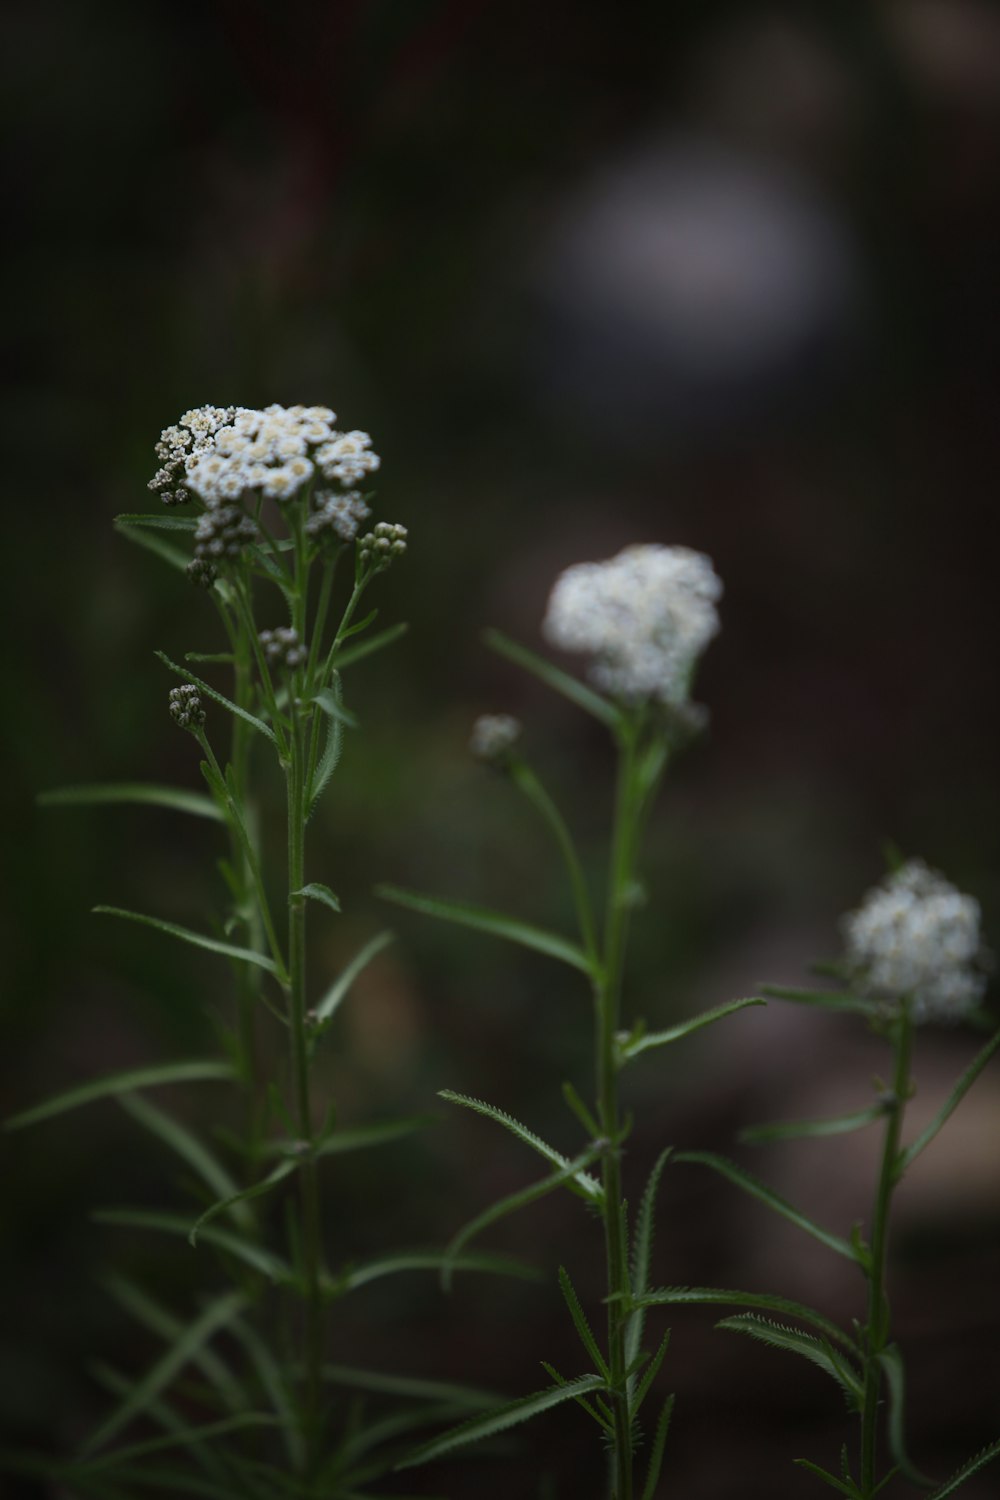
[
  {"x": 656, "y": 1451},
  {"x": 211, "y": 692},
  {"x": 553, "y": 677},
  {"x": 339, "y": 990},
  {"x": 491, "y": 922},
  {"x": 981, "y": 1459},
  {"x": 958, "y": 1093},
  {"x": 198, "y": 939},
  {"x": 789, "y": 1130},
  {"x": 634, "y": 1043},
  {"x": 642, "y": 1249},
  {"x": 818, "y": 1351},
  {"x": 674, "y": 1296},
  {"x": 116, "y": 1084},
  {"x": 756, "y": 1189},
  {"x": 317, "y": 892},
  {"x": 502, "y": 1418},
  {"x": 584, "y": 1184},
  {"x": 257, "y": 1257},
  {"x": 579, "y": 1317},
  {"x": 178, "y": 800}
]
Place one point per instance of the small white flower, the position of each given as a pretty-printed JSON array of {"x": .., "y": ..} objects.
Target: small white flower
[
  {"x": 494, "y": 736},
  {"x": 916, "y": 937},
  {"x": 644, "y": 616}
]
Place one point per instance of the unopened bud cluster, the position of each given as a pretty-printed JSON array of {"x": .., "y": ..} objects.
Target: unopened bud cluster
[
  {"x": 494, "y": 736},
  {"x": 222, "y": 532},
  {"x": 283, "y": 646},
  {"x": 916, "y": 938},
  {"x": 186, "y": 707},
  {"x": 337, "y": 515},
  {"x": 380, "y": 546}
]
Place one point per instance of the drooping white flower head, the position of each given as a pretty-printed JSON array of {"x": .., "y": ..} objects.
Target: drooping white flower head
[
  {"x": 644, "y": 616},
  {"x": 916, "y": 936}
]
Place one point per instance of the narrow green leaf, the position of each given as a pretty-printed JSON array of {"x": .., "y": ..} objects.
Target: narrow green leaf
[
  {"x": 553, "y": 677},
  {"x": 492, "y": 922},
  {"x": 330, "y": 702},
  {"x": 515, "y": 1412},
  {"x": 891, "y": 1361},
  {"x": 199, "y": 1071},
  {"x": 160, "y": 1412},
  {"x": 176, "y": 1137},
  {"x": 234, "y": 708},
  {"x": 195, "y": 803},
  {"x": 431, "y": 1260},
  {"x": 341, "y": 986},
  {"x": 958, "y": 1093},
  {"x": 656, "y": 1452},
  {"x": 673, "y": 1296},
  {"x": 158, "y": 522},
  {"x": 601, "y": 1413},
  {"x": 380, "y": 1134},
  {"x": 410, "y": 1386},
  {"x": 198, "y": 939},
  {"x": 649, "y": 1375},
  {"x": 588, "y": 1186},
  {"x": 273, "y": 1379},
  {"x": 794, "y": 1341},
  {"x": 374, "y": 643},
  {"x": 160, "y": 1321},
  {"x": 189, "y": 1435},
  {"x": 331, "y": 750},
  {"x": 632, "y": 1046},
  {"x": 317, "y": 892},
  {"x": 256, "y": 1256},
  {"x": 220, "y": 658},
  {"x": 788, "y": 1130},
  {"x": 154, "y": 543},
  {"x": 583, "y": 1328},
  {"x": 641, "y": 1253},
  {"x": 214, "y": 1317},
  {"x": 580, "y": 1110},
  {"x": 826, "y": 1476},
  {"x": 825, "y": 999},
  {"x": 985, "y": 1456},
  {"x": 280, "y": 1172},
  {"x": 756, "y": 1189},
  {"x": 520, "y": 1199}
]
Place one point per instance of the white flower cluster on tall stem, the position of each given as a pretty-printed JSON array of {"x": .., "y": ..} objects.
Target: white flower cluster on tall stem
[
  {"x": 221, "y": 453},
  {"x": 644, "y": 616},
  {"x": 916, "y": 937}
]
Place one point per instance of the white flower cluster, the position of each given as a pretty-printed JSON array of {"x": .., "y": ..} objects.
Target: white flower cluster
[
  {"x": 222, "y": 452},
  {"x": 494, "y": 736},
  {"x": 644, "y": 616},
  {"x": 340, "y": 514},
  {"x": 916, "y": 936}
]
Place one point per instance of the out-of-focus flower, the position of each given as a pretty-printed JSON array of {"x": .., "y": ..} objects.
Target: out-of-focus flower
[
  {"x": 644, "y": 616},
  {"x": 916, "y": 937},
  {"x": 494, "y": 736}
]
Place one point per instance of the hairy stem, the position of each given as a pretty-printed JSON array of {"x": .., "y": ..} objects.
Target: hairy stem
[{"x": 877, "y": 1328}]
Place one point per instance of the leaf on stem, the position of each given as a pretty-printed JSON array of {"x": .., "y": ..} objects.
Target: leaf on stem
[
  {"x": 184, "y": 1438},
  {"x": 954, "y": 1099},
  {"x": 818, "y": 1351},
  {"x": 601, "y": 1413},
  {"x": 194, "y": 803},
  {"x": 274, "y": 1381},
  {"x": 341, "y": 986},
  {"x": 215, "y": 1316},
  {"x": 788, "y": 1130},
  {"x": 198, "y": 939},
  {"x": 329, "y": 700},
  {"x": 366, "y": 648},
  {"x": 641, "y": 1253},
  {"x": 154, "y": 543},
  {"x": 278, "y": 1174},
  {"x": 580, "y": 1323},
  {"x": 492, "y": 922},
  {"x": 234, "y": 708},
  {"x": 656, "y": 1451},
  {"x": 256, "y": 1256},
  {"x": 631, "y": 1045},
  {"x": 757, "y": 1189},
  {"x": 177, "y": 1138},
  {"x": 160, "y": 1321},
  {"x": 580, "y": 1110},
  {"x": 499, "y": 1420},
  {"x": 554, "y": 677},
  {"x": 517, "y": 1200},
  {"x": 891, "y": 1361},
  {"x": 410, "y": 1386},
  {"x": 826, "y": 999},
  {"x": 113, "y": 1084},
  {"x": 157, "y": 522},
  {"x": 430, "y": 1260},
  {"x": 649, "y": 1375},
  {"x": 985, "y": 1456},
  {"x": 360, "y": 1137},
  {"x": 586, "y": 1185},
  {"x": 673, "y": 1296},
  {"x": 318, "y": 892},
  {"x": 843, "y": 1487}
]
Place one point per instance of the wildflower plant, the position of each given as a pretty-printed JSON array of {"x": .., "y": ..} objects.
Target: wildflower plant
[
  {"x": 274, "y": 532},
  {"x": 643, "y": 618},
  {"x": 913, "y": 957}
]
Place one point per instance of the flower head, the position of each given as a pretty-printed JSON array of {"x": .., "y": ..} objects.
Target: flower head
[
  {"x": 186, "y": 707},
  {"x": 494, "y": 736},
  {"x": 916, "y": 936},
  {"x": 644, "y": 616}
]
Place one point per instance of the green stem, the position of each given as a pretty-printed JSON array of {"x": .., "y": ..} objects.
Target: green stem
[
  {"x": 298, "y": 1027},
  {"x": 607, "y": 994},
  {"x": 877, "y": 1328}
]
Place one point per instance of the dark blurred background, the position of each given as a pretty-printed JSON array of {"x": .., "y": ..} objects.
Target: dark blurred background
[{"x": 715, "y": 274}]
